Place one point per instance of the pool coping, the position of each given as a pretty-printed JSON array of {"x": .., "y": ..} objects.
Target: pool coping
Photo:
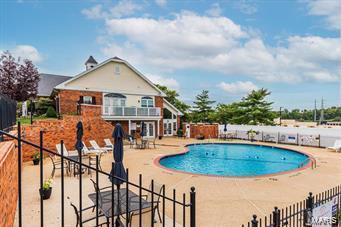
[{"x": 157, "y": 160}]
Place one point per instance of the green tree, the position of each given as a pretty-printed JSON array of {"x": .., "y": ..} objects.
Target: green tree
[
  {"x": 255, "y": 109},
  {"x": 202, "y": 109},
  {"x": 226, "y": 113},
  {"x": 173, "y": 98}
]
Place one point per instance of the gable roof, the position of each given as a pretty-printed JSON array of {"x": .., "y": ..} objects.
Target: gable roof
[
  {"x": 114, "y": 59},
  {"x": 47, "y": 83}
]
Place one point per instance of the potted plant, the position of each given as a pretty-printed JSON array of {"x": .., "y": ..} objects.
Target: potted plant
[
  {"x": 36, "y": 158},
  {"x": 252, "y": 134},
  {"x": 47, "y": 189},
  {"x": 180, "y": 132}
]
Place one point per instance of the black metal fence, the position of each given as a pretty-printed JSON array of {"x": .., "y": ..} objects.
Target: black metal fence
[
  {"x": 315, "y": 140},
  {"x": 116, "y": 207},
  {"x": 301, "y": 213},
  {"x": 8, "y": 114}
]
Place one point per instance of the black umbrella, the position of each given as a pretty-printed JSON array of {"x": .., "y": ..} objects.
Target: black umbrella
[
  {"x": 225, "y": 127},
  {"x": 118, "y": 170},
  {"x": 143, "y": 129},
  {"x": 79, "y": 144}
]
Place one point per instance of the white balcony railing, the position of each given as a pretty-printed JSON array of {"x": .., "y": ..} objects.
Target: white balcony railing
[{"x": 131, "y": 111}]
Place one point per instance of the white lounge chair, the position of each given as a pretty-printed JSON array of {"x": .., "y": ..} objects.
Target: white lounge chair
[
  {"x": 65, "y": 151},
  {"x": 109, "y": 144},
  {"x": 337, "y": 146},
  {"x": 97, "y": 147},
  {"x": 87, "y": 151}
]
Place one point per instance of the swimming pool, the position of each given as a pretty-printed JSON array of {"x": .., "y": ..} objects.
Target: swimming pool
[{"x": 236, "y": 160}]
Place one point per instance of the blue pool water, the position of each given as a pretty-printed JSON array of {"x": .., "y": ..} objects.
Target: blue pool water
[{"x": 235, "y": 160}]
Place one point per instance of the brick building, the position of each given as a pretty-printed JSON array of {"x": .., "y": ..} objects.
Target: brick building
[{"x": 118, "y": 93}]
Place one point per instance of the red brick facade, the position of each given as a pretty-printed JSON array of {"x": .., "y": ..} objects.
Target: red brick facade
[
  {"x": 68, "y": 100},
  {"x": 159, "y": 103},
  {"x": 8, "y": 183},
  {"x": 95, "y": 128}
]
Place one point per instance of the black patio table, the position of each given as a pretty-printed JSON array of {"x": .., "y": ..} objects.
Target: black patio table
[{"x": 106, "y": 204}]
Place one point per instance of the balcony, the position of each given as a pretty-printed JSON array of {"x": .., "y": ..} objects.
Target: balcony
[{"x": 118, "y": 111}]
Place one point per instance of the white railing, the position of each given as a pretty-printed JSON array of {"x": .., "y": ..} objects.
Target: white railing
[{"x": 131, "y": 111}]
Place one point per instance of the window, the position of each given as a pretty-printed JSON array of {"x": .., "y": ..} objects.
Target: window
[
  {"x": 147, "y": 102},
  {"x": 87, "y": 100},
  {"x": 117, "y": 70},
  {"x": 114, "y": 99}
]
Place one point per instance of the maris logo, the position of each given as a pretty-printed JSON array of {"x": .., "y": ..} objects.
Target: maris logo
[{"x": 324, "y": 220}]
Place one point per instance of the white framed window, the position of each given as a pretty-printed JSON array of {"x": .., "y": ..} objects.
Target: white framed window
[
  {"x": 147, "y": 102},
  {"x": 117, "y": 69},
  {"x": 114, "y": 99},
  {"x": 87, "y": 99}
]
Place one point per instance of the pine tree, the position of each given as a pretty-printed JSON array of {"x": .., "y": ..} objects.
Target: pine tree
[
  {"x": 203, "y": 107},
  {"x": 255, "y": 109}
]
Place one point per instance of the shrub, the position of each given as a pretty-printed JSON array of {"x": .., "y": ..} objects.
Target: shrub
[
  {"x": 43, "y": 104},
  {"x": 180, "y": 132},
  {"x": 51, "y": 112}
]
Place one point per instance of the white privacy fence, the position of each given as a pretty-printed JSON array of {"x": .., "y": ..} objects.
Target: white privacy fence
[{"x": 319, "y": 137}]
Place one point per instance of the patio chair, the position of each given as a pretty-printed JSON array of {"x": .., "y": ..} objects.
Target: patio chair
[
  {"x": 57, "y": 164},
  {"x": 152, "y": 141},
  {"x": 132, "y": 141},
  {"x": 73, "y": 155},
  {"x": 109, "y": 144},
  {"x": 85, "y": 220},
  {"x": 159, "y": 189},
  {"x": 337, "y": 146},
  {"x": 141, "y": 143},
  {"x": 97, "y": 147},
  {"x": 92, "y": 156}
]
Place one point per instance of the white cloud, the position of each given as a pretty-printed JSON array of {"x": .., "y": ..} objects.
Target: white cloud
[
  {"x": 121, "y": 9},
  {"x": 246, "y": 7},
  {"x": 330, "y": 9},
  {"x": 165, "y": 81},
  {"x": 94, "y": 12},
  {"x": 161, "y": 3},
  {"x": 214, "y": 11},
  {"x": 191, "y": 41},
  {"x": 26, "y": 52},
  {"x": 239, "y": 87}
]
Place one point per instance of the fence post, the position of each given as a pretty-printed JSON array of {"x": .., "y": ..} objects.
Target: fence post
[
  {"x": 319, "y": 140},
  {"x": 254, "y": 222},
  {"x": 192, "y": 209},
  {"x": 308, "y": 210},
  {"x": 41, "y": 157},
  {"x": 19, "y": 175},
  {"x": 297, "y": 139},
  {"x": 276, "y": 217},
  {"x": 278, "y": 137}
]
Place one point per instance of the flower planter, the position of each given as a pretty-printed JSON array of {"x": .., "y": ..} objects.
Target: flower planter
[
  {"x": 46, "y": 193},
  {"x": 35, "y": 162}
]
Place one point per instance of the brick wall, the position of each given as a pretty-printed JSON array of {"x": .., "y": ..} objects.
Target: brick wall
[
  {"x": 159, "y": 103},
  {"x": 95, "y": 128},
  {"x": 68, "y": 100},
  {"x": 208, "y": 130},
  {"x": 8, "y": 183}
]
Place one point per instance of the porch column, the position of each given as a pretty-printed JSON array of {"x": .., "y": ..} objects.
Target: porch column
[
  {"x": 129, "y": 129},
  {"x": 158, "y": 127}
]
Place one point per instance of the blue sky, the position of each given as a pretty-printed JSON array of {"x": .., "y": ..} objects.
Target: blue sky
[{"x": 292, "y": 48}]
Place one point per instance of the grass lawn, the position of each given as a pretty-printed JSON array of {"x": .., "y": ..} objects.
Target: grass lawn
[{"x": 27, "y": 120}]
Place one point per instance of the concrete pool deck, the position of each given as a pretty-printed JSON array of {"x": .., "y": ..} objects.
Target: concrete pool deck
[{"x": 221, "y": 201}]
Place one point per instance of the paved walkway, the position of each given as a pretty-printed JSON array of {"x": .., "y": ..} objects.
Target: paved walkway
[{"x": 221, "y": 201}]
